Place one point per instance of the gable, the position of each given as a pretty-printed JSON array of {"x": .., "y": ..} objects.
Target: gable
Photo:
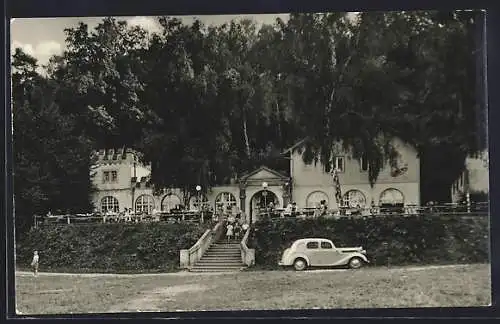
[{"x": 262, "y": 174}]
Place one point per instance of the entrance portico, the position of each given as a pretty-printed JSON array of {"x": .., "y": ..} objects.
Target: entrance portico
[{"x": 260, "y": 187}]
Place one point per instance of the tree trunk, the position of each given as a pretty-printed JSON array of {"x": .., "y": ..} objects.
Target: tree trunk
[
  {"x": 340, "y": 78},
  {"x": 278, "y": 119},
  {"x": 245, "y": 133}
]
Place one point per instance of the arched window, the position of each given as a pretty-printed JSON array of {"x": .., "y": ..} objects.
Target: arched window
[
  {"x": 314, "y": 199},
  {"x": 391, "y": 196},
  {"x": 354, "y": 198},
  {"x": 110, "y": 203},
  {"x": 194, "y": 204},
  {"x": 144, "y": 203},
  {"x": 170, "y": 202},
  {"x": 225, "y": 199}
]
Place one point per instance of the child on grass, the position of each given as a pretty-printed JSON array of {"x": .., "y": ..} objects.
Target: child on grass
[{"x": 34, "y": 263}]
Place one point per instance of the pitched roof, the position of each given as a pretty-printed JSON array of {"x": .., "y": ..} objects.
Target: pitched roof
[{"x": 263, "y": 168}]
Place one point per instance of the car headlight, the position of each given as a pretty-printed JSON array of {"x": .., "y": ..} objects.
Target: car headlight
[{"x": 363, "y": 251}]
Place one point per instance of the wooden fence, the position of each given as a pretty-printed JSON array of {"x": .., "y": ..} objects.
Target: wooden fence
[
  {"x": 471, "y": 210},
  {"x": 83, "y": 219}
]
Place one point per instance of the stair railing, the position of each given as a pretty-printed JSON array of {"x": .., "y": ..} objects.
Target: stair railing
[
  {"x": 247, "y": 255},
  {"x": 189, "y": 257}
]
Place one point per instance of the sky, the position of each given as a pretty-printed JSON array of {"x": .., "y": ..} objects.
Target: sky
[{"x": 44, "y": 37}]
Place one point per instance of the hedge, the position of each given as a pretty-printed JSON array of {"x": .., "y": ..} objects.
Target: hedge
[
  {"x": 147, "y": 247},
  {"x": 394, "y": 240}
]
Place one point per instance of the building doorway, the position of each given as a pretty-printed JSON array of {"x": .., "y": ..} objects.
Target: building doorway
[
  {"x": 391, "y": 201},
  {"x": 259, "y": 201}
]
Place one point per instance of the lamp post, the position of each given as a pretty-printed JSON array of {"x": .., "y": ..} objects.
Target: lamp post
[
  {"x": 264, "y": 193},
  {"x": 198, "y": 190}
]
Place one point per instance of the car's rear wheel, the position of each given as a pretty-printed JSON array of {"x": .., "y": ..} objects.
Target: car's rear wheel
[
  {"x": 300, "y": 264},
  {"x": 355, "y": 263}
]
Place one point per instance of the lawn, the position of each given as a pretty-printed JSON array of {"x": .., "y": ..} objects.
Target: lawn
[{"x": 455, "y": 286}]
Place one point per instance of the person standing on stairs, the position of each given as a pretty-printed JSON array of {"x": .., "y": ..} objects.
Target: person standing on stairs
[
  {"x": 237, "y": 231},
  {"x": 229, "y": 232},
  {"x": 245, "y": 226},
  {"x": 231, "y": 219}
]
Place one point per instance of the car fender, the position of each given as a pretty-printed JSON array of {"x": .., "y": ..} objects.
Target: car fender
[
  {"x": 293, "y": 257},
  {"x": 349, "y": 256},
  {"x": 360, "y": 255}
]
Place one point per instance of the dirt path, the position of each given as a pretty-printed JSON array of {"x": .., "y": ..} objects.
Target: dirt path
[
  {"x": 148, "y": 301},
  {"x": 188, "y": 274},
  {"x": 419, "y": 268},
  {"x": 119, "y": 275}
]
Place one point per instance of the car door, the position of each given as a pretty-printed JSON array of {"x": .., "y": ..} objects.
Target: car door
[
  {"x": 329, "y": 255},
  {"x": 313, "y": 253}
]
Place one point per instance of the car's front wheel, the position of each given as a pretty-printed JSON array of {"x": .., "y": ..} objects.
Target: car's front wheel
[
  {"x": 355, "y": 263},
  {"x": 300, "y": 264}
]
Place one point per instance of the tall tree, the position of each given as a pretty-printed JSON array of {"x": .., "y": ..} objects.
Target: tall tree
[
  {"x": 99, "y": 81},
  {"x": 406, "y": 74},
  {"x": 51, "y": 158}
]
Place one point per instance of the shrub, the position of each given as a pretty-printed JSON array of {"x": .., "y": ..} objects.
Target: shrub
[
  {"x": 422, "y": 239},
  {"x": 108, "y": 247}
]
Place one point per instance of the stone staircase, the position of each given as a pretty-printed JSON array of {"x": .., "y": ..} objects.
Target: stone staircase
[{"x": 220, "y": 257}]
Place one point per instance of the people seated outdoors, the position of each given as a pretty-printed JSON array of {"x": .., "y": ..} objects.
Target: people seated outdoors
[
  {"x": 323, "y": 208},
  {"x": 273, "y": 210},
  {"x": 178, "y": 209},
  {"x": 357, "y": 210},
  {"x": 127, "y": 215},
  {"x": 291, "y": 210},
  {"x": 373, "y": 208},
  {"x": 288, "y": 210},
  {"x": 245, "y": 227},
  {"x": 270, "y": 207},
  {"x": 431, "y": 208},
  {"x": 317, "y": 211},
  {"x": 155, "y": 214},
  {"x": 121, "y": 216},
  {"x": 109, "y": 215},
  {"x": 105, "y": 215}
]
